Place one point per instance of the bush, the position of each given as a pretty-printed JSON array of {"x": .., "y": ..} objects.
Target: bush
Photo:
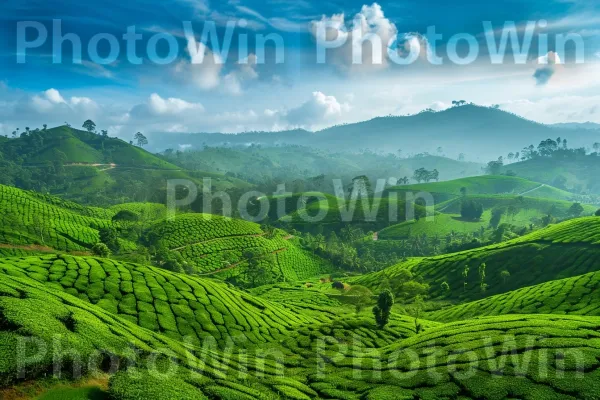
[
  {"x": 101, "y": 250},
  {"x": 125, "y": 215}
]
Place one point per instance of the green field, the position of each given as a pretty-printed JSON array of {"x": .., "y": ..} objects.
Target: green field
[
  {"x": 528, "y": 211},
  {"x": 485, "y": 185}
]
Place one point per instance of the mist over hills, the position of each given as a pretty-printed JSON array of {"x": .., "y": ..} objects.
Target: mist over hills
[{"x": 481, "y": 133}]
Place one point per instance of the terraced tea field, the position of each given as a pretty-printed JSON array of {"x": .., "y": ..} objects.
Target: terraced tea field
[
  {"x": 218, "y": 247},
  {"x": 33, "y": 218},
  {"x": 573, "y": 296},
  {"x": 561, "y": 251},
  {"x": 175, "y": 305},
  {"x": 530, "y": 357}
]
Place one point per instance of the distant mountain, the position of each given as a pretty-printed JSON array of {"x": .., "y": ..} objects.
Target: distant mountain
[{"x": 481, "y": 133}]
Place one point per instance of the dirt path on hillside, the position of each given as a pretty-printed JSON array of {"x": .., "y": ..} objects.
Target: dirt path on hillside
[{"x": 532, "y": 190}]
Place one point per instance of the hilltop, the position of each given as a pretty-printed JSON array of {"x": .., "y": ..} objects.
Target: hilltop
[
  {"x": 73, "y": 146},
  {"x": 92, "y": 168}
]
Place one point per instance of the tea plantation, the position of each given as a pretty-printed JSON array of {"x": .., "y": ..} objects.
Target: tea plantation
[
  {"x": 531, "y": 357},
  {"x": 219, "y": 246},
  {"x": 565, "y": 250},
  {"x": 576, "y": 296},
  {"x": 175, "y": 305}
]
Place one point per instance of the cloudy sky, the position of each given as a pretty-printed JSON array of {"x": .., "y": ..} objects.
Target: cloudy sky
[{"x": 206, "y": 90}]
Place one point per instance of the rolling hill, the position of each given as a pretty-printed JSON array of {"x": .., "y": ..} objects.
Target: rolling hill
[
  {"x": 534, "y": 357},
  {"x": 576, "y": 174},
  {"x": 208, "y": 244},
  {"x": 93, "y": 169},
  {"x": 572, "y": 296},
  {"x": 225, "y": 248},
  {"x": 559, "y": 251}
]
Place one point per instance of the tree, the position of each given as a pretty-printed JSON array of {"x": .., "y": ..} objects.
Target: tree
[
  {"x": 505, "y": 275},
  {"x": 125, "y": 215},
  {"x": 482, "y": 283},
  {"x": 101, "y": 250},
  {"x": 40, "y": 226},
  {"x": 575, "y": 210},
  {"x": 257, "y": 272},
  {"x": 104, "y": 133},
  {"x": 109, "y": 237},
  {"x": 494, "y": 167},
  {"x": 463, "y": 191},
  {"x": 383, "y": 308},
  {"x": 471, "y": 210},
  {"x": 445, "y": 287},
  {"x": 359, "y": 296},
  {"x": 465, "y": 275},
  {"x": 597, "y": 213},
  {"x": 140, "y": 139},
  {"x": 89, "y": 126},
  {"x": 415, "y": 310},
  {"x": 497, "y": 214}
]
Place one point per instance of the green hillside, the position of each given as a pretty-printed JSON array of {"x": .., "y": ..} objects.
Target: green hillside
[
  {"x": 559, "y": 251},
  {"x": 520, "y": 211},
  {"x": 92, "y": 168},
  {"x": 207, "y": 244},
  {"x": 174, "y": 305},
  {"x": 394, "y": 363},
  {"x": 577, "y": 174},
  {"x": 485, "y": 185},
  {"x": 573, "y": 296},
  {"x": 256, "y": 163},
  {"x": 75, "y": 146},
  {"x": 230, "y": 248}
]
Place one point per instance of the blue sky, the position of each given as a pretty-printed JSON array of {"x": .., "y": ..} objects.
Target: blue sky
[{"x": 124, "y": 97}]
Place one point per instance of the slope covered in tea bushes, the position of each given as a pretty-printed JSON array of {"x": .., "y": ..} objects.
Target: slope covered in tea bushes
[
  {"x": 564, "y": 250},
  {"x": 574, "y": 296},
  {"x": 222, "y": 247},
  {"x": 175, "y": 305}
]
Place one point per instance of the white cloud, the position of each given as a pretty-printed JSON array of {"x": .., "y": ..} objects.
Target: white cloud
[
  {"x": 52, "y": 102},
  {"x": 205, "y": 70},
  {"x": 320, "y": 109},
  {"x": 156, "y": 105},
  {"x": 371, "y": 23},
  {"x": 557, "y": 109}
]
